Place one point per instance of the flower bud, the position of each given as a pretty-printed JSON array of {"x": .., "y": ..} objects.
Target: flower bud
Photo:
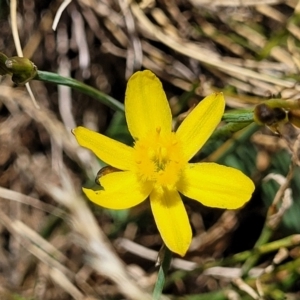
[{"x": 22, "y": 69}]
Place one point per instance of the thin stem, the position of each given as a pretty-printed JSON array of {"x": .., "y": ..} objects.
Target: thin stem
[
  {"x": 79, "y": 86},
  {"x": 265, "y": 236},
  {"x": 239, "y": 117},
  {"x": 228, "y": 130},
  {"x": 162, "y": 273},
  {"x": 271, "y": 224},
  {"x": 238, "y": 138}
]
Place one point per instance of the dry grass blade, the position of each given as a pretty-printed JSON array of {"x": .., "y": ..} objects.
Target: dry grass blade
[
  {"x": 15, "y": 196},
  {"x": 101, "y": 255},
  {"x": 56, "y": 245},
  {"x": 203, "y": 55},
  {"x": 233, "y": 3}
]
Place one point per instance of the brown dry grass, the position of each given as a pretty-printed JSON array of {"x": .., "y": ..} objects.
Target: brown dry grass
[{"x": 53, "y": 243}]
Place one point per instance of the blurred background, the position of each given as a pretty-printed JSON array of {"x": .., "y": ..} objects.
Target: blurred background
[{"x": 54, "y": 244}]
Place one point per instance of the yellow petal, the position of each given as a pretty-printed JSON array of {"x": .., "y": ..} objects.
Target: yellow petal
[
  {"x": 215, "y": 185},
  {"x": 171, "y": 220},
  {"x": 108, "y": 150},
  {"x": 121, "y": 190},
  {"x": 146, "y": 106},
  {"x": 198, "y": 126}
]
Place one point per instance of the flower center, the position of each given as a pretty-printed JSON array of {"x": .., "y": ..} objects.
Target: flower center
[{"x": 159, "y": 158}]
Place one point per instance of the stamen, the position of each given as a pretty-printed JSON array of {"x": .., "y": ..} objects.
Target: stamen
[
  {"x": 158, "y": 159},
  {"x": 151, "y": 154},
  {"x": 163, "y": 153}
]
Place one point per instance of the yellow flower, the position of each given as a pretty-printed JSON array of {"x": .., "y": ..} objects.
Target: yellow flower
[{"x": 157, "y": 165}]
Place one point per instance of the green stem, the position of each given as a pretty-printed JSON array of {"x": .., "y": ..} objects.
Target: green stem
[
  {"x": 238, "y": 258},
  {"x": 283, "y": 103},
  {"x": 265, "y": 236},
  {"x": 239, "y": 117},
  {"x": 230, "y": 145},
  {"x": 228, "y": 130},
  {"x": 79, "y": 86},
  {"x": 284, "y": 277},
  {"x": 287, "y": 242},
  {"x": 162, "y": 273},
  {"x": 269, "y": 227}
]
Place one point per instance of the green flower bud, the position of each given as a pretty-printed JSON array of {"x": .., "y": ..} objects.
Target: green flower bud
[{"x": 22, "y": 69}]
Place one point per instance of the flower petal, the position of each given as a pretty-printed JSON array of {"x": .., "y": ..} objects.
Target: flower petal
[
  {"x": 110, "y": 151},
  {"x": 146, "y": 106},
  {"x": 215, "y": 185},
  {"x": 198, "y": 126},
  {"x": 121, "y": 190},
  {"x": 171, "y": 220}
]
